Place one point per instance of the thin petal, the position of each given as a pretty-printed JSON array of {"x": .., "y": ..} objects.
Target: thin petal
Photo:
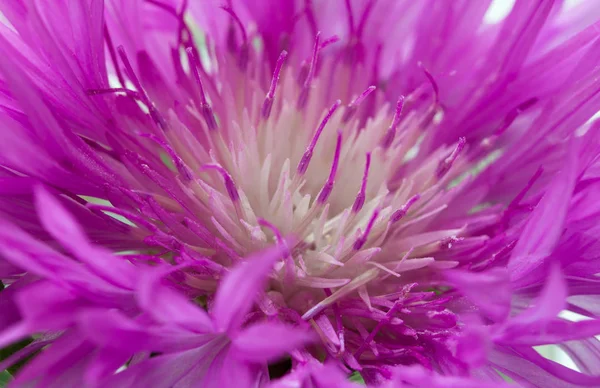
[
  {"x": 113, "y": 329},
  {"x": 170, "y": 369},
  {"x": 267, "y": 341},
  {"x": 490, "y": 291},
  {"x": 239, "y": 289},
  {"x": 65, "y": 229},
  {"x": 550, "y": 302},
  {"x": 545, "y": 224},
  {"x": 167, "y": 305}
]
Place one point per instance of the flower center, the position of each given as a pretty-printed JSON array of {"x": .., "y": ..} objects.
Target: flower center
[{"x": 248, "y": 164}]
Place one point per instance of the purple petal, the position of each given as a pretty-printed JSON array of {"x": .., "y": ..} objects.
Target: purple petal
[
  {"x": 203, "y": 366},
  {"x": 554, "y": 332},
  {"x": 528, "y": 367},
  {"x": 63, "y": 363},
  {"x": 61, "y": 225},
  {"x": 490, "y": 291},
  {"x": 113, "y": 329},
  {"x": 267, "y": 341},
  {"x": 167, "y": 305},
  {"x": 46, "y": 306},
  {"x": 239, "y": 289},
  {"x": 418, "y": 376},
  {"x": 545, "y": 224},
  {"x": 315, "y": 375},
  {"x": 550, "y": 302}
]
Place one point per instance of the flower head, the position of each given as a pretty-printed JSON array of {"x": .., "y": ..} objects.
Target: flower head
[{"x": 193, "y": 192}]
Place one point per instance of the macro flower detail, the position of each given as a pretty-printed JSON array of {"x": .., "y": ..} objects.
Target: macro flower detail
[{"x": 299, "y": 193}]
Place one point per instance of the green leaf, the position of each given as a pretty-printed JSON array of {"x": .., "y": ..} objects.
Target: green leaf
[
  {"x": 5, "y": 378},
  {"x": 11, "y": 349},
  {"x": 355, "y": 377}
]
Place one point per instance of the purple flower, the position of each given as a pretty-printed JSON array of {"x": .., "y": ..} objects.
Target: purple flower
[
  {"x": 258, "y": 193},
  {"x": 110, "y": 316}
]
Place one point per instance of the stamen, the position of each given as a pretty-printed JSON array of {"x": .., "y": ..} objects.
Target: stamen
[
  {"x": 340, "y": 328},
  {"x": 101, "y": 148},
  {"x": 303, "y": 73},
  {"x": 231, "y": 39},
  {"x": 403, "y": 259},
  {"x": 184, "y": 5},
  {"x": 130, "y": 93},
  {"x": 289, "y": 261},
  {"x": 353, "y": 106},
  {"x": 183, "y": 27},
  {"x": 268, "y": 103},
  {"x": 338, "y": 322},
  {"x": 512, "y": 115},
  {"x": 398, "y": 214},
  {"x": 515, "y": 202},
  {"x": 354, "y": 284},
  {"x": 376, "y": 62},
  {"x": 360, "y": 197},
  {"x": 329, "y": 41},
  {"x": 229, "y": 184},
  {"x": 134, "y": 79},
  {"x": 164, "y": 6},
  {"x": 355, "y": 48},
  {"x": 328, "y": 187},
  {"x": 156, "y": 116},
  {"x": 303, "y": 164},
  {"x": 363, "y": 19},
  {"x": 448, "y": 242},
  {"x": 383, "y": 268},
  {"x": 311, "y": 72},
  {"x": 243, "y": 58},
  {"x": 384, "y": 321},
  {"x": 358, "y": 244},
  {"x": 310, "y": 16},
  {"x": 326, "y": 331},
  {"x": 272, "y": 228},
  {"x": 113, "y": 55},
  {"x": 179, "y": 15},
  {"x": 132, "y": 217},
  {"x": 445, "y": 164},
  {"x": 305, "y": 64},
  {"x": 184, "y": 171},
  {"x": 501, "y": 256},
  {"x": 206, "y": 110},
  {"x": 350, "y": 17},
  {"x": 193, "y": 61},
  {"x": 434, "y": 84},
  {"x": 200, "y": 231},
  {"x": 389, "y": 136}
]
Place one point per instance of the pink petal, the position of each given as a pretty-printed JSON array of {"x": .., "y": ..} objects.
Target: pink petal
[
  {"x": 173, "y": 370},
  {"x": 113, "y": 329},
  {"x": 267, "y": 341},
  {"x": 528, "y": 368},
  {"x": 545, "y": 224},
  {"x": 46, "y": 306},
  {"x": 553, "y": 332},
  {"x": 65, "y": 229},
  {"x": 166, "y": 305},
  {"x": 62, "y": 364},
  {"x": 239, "y": 289},
  {"x": 490, "y": 291},
  {"x": 550, "y": 302}
]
